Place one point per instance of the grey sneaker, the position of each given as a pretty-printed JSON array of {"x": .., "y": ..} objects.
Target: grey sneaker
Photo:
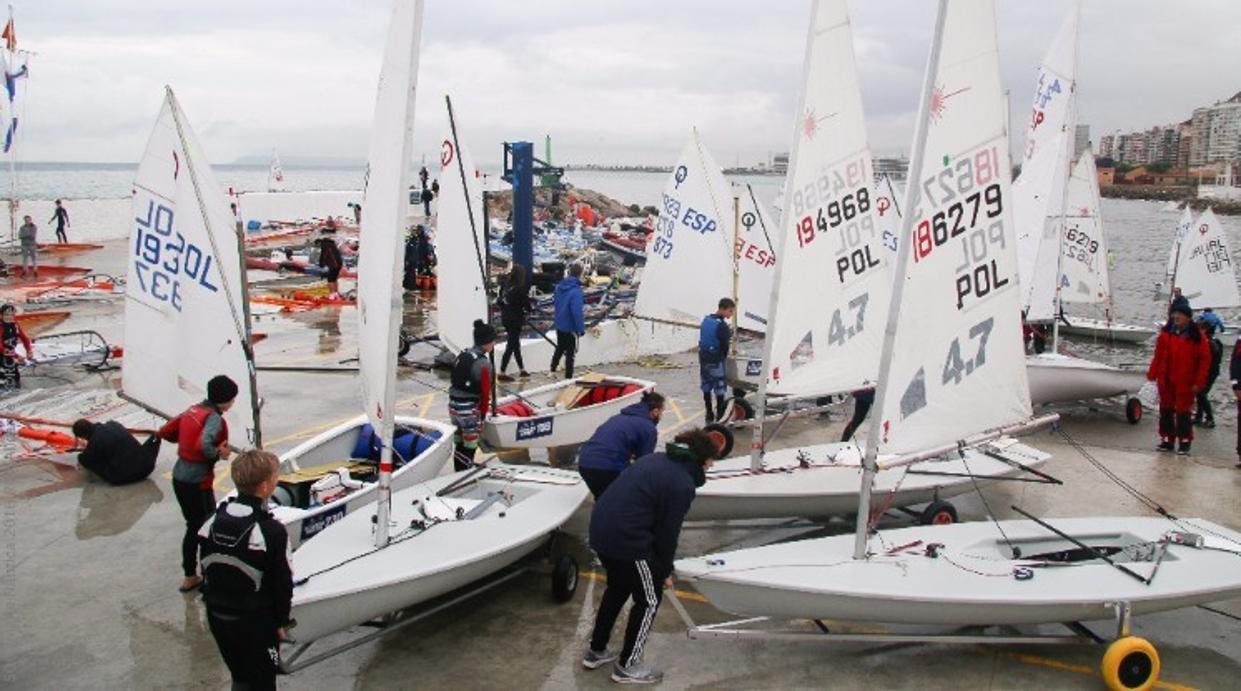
[
  {"x": 636, "y": 674},
  {"x": 594, "y": 660}
]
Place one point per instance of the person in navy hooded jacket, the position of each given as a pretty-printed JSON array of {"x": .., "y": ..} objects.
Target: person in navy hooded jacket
[
  {"x": 570, "y": 320},
  {"x": 628, "y": 435}
]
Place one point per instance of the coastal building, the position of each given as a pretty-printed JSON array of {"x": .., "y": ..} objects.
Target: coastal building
[
  {"x": 1162, "y": 145},
  {"x": 896, "y": 168},
  {"x": 780, "y": 163},
  {"x": 1130, "y": 148},
  {"x": 1081, "y": 139},
  {"x": 1107, "y": 146},
  {"x": 1216, "y": 132},
  {"x": 1185, "y": 136},
  {"x": 1107, "y": 176}
]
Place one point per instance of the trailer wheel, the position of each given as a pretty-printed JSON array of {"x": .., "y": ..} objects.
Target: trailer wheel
[
  {"x": 740, "y": 410},
  {"x": 405, "y": 344},
  {"x": 722, "y": 436},
  {"x": 939, "y": 512},
  {"x": 1130, "y": 663},
  {"x": 1133, "y": 411},
  {"x": 564, "y": 578}
]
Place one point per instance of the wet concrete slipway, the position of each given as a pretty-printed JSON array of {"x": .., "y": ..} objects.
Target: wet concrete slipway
[{"x": 89, "y": 595}]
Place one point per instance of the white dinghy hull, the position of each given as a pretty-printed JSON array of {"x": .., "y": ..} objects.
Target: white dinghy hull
[
  {"x": 972, "y": 580},
  {"x": 1102, "y": 330},
  {"x": 1058, "y": 378},
  {"x": 555, "y": 426},
  {"x": 335, "y": 446},
  {"x": 822, "y": 490},
  {"x": 617, "y": 340},
  {"x": 352, "y": 582}
]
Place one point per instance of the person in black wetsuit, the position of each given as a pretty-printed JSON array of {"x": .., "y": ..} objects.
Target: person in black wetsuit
[
  {"x": 330, "y": 258},
  {"x": 61, "y": 216},
  {"x": 514, "y": 307},
  {"x": 863, "y": 399},
  {"x": 247, "y": 580},
  {"x": 113, "y": 453},
  {"x": 1205, "y": 414}
]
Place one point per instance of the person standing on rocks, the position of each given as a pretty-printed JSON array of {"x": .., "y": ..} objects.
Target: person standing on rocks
[{"x": 61, "y": 216}]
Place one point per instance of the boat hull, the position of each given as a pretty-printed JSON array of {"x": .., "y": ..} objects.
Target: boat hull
[
  {"x": 1101, "y": 330},
  {"x": 557, "y": 427},
  {"x": 617, "y": 340},
  {"x": 1061, "y": 379},
  {"x": 336, "y": 445},
  {"x": 785, "y": 489},
  {"x": 972, "y": 581},
  {"x": 363, "y": 583}
]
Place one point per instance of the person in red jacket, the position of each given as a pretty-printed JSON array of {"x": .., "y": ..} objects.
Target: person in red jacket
[
  {"x": 201, "y": 436},
  {"x": 11, "y": 335},
  {"x": 1182, "y": 360}
]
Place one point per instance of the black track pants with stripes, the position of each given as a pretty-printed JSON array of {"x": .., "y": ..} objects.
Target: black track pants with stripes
[{"x": 628, "y": 579}]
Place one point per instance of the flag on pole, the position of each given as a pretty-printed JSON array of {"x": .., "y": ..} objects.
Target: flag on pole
[
  {"x": 9, "y": 36},
  {"x": 9, "y": 134},
  {"x": 10, "y": 80}
]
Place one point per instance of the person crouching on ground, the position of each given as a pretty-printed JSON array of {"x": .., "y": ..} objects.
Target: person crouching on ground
[
  {"x": 247, "y": 580},
  {"x": 570, "y": 319},
  {"x": 634, "y": 529},
  {"x": 113, "y": 453},
  {"x": 630, "y": 434},
  {"x": 201, "y": 436},
  {"x": 714, "y": 337},
  {"x": 470, "y": 395},
  {"x": 12, "y": 335},
  {"x": 1179, "y": 367}
]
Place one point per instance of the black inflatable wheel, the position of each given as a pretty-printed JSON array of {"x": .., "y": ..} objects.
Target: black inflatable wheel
[
  {"x": 939, "y": 512},
  {"x": 564, "y": 578},
  {"x": 405, "y": 344},
  {"x": 722, "y": 436},
  {"x": 1133, "y": 411}
]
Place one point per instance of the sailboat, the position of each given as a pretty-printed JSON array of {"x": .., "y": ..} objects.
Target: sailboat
[
  {"x": 831, "y": 343},
  {"x": 187, "y": 320},
  {"x": 1202, "y": 266},
  {"x": 940, "y": 359},
  {"x": 275, "y": 174},
  {"x": 557, "y": 414},
  {"x": 1085, "y": 276},
  {"x": 449, "y": 531},
  {"x": 1040, "y": 203}
]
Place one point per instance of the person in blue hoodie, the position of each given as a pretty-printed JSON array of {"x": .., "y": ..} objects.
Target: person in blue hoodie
[
  {"x": 570, "y": 321},
  {"x": 628, "y": 435},
  {"x": 714, "y": 338},
  {"x": 634, "y": 529}
]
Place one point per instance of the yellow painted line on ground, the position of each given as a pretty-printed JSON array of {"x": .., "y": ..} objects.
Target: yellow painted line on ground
[
  {"x": 1087, "y": 670},
  {"x": 427, "y": 399},
  {"x": 681, "y": 594}
]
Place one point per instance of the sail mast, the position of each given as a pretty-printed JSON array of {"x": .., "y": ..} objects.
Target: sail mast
[
  {"x": 1070, "y": 140},
  {"x": 913, "y": 191},
  {"x": 240, "y": 322}
]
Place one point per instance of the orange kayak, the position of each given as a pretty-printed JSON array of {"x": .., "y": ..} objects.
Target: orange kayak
[
  {"x": 68, "y": 247},
  {"x": 36, "y": 323}
]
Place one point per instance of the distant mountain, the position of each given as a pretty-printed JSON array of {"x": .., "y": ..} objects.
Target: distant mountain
[{"x": 302, "y": 161}]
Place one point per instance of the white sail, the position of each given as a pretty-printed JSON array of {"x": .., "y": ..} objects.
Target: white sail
[
  {"x": 1204, "y": 271},
  {"x": 1084, "y": 271},
  {"x": 275, "y": 174},
  {"x": 380, "y": 299},
  {"x": 461, "y": 252},
  {"x": 956, "y": 364},
  {"x": 832, "y": 280},
  {"x": 756, "y": 262},
  {"x": 185, "y": 319},
  {"x": 1182, "y": 229},
  {"x": 693, "y": 238},
  {"x": 1038, "y": 196}
]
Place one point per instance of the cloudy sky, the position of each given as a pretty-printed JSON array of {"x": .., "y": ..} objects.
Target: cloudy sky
[{"x": 612, "y": 82}]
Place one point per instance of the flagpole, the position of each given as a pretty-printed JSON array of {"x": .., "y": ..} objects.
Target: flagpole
[{"x": 13, "y": 203}]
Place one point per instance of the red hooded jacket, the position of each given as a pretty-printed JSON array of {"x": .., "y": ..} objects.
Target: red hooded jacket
[{"x": 1180, "y": 361}]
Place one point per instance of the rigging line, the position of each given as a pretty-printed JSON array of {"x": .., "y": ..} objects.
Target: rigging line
[
  {"x": 1115, "y": 478},
  {"x": 762, "y": 224},
  {"x": 987, "y": 505},
  {"x": 469, "y": 209},
  {"x": 731, "y": 252},
  {"x": 1220, "y": 612},
  {"x": 1093, "y": 551}
]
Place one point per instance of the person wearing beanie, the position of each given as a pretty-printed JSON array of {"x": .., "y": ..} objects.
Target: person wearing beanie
[
  {"x": 1179, "y": 368},
  {"x": 201, "y": 436},
  {"x": 570, "y": 320},
  {"x": 113, "y": 454},
  {"x": 1211, "y": 324},
  {"x": 470, "y": 394},
  {"x": 634, "y": 529}
]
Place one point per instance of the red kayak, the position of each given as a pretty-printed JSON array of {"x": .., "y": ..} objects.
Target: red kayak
[{"x": 49, "y": 271}]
